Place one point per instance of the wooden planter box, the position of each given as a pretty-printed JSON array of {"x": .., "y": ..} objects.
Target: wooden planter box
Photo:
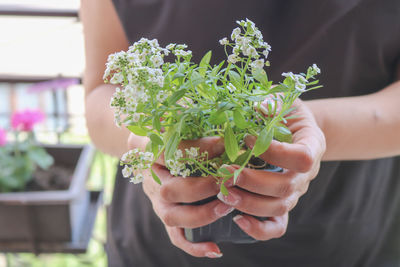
[{"x": 49, "y": 216}]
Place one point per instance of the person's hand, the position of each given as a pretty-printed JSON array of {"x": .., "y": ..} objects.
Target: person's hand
[
  {"x": 168, "y": 197},
  {"x": 271, "y": 194}
]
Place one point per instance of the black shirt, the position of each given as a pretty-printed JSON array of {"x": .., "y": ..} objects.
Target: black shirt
[{"x": 350, "y": 215}]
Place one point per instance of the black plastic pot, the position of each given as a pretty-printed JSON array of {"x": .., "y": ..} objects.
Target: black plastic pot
[
  {"x": 49, "y": 216},
  {"x": 224, "y": 229}
]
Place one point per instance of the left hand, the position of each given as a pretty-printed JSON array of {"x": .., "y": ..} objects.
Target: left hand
[{"x": 273, "y": 195}]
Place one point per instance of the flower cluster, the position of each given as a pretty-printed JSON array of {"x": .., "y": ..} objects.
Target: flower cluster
[
  {"x": 180, "y": 166},
  {"x": 300, "y": 80},
  {"x": 140, "y": 71},
  {"x": 26, "y": 120},
  {"x": 179, "y": 100},
  {"x": 248, "y": 40},
  {"x": 3, "y": 137},
  {"x": 137, "y": 161},
  {"x": 20, "y": 158}
]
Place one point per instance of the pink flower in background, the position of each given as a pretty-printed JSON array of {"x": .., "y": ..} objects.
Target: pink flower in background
[
  {"x": 3, "y": 137},
  {"x": 25, "y": 120}
]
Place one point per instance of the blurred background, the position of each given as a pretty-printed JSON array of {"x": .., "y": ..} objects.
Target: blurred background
[{"x": 41, "y": 66}]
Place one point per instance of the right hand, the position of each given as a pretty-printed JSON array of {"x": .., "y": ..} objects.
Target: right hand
[{"x": 167, "y": 197}]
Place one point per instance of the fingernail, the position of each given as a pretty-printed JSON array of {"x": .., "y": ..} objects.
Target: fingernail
[
  {"x": 213, "y": 255},
  {"x": 242, "y": 222},
  {"x": 231, "y": 199},
  {"x": 222, "y": 210}
]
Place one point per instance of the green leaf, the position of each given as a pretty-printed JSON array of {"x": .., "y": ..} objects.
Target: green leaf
[
  {"x": 282, "y": 133},
  {"x": 235, "y": 79},
  {"x": 176, "y": 96},
  {"x": 197, "y": 78},
  {"x": 40, "y": 157},
  {"x": 313, "y": 82},
  {"x": 217, "y": 118},
  {"x": 156, "y": 123},
  {"x": 155, "y": 177},
  {"x": 156, "y": 139},
  {"x": 242, "y": 157},
  {"x": 261, "y": 76},
  {"x": 204, "y": 63},
  {"x": 236, "y": 175},
  {"x": 224, "y": 172},
  {"x": 239, "y": 119},
  {"x": 154, "y": 148},
  {"x": 137, "y": 130},
  {"x": 171, "y": 146},
  {"x": 223, "y": 190},
  {"x": 178, "y": 75},
  {"x": 263, "y": 141},
  {"x": 231, "y": 145},
  {"x": 216, "y": 69}
]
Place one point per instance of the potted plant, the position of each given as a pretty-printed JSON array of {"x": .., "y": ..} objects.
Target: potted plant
[
  {"x": 42, "y": 188},
  {"x": 180, "y": 100}
]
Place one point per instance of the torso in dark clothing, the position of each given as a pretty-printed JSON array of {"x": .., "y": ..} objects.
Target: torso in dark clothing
[{"x": 350, "y": 215}]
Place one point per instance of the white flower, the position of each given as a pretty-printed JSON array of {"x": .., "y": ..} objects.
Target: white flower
[
  {"x": 135, "y": 117},
  {"x": 243, "y": 41},
  {"x": 236, "y": 50},
  {"x": 127, "y": 171},
  {"x": 182, "y": 53},
  {"x": 137, "y": 178},
  {"x": 178, "y": 154},
  {"x": 231, "y": 87},
  {"x": 259, "y": 35},
  {"x": 170, "y": 46},
  {"x": 250, "y": 51},
  {"x": 241, "y": 22},
  {"x": 251, "y": 24},
  {"x": 124, "y": 156},
  {"x": 159, "y": 81},
  {"x": 181, "y": 46},
  {"x": 224, "y": 41},
  {"x": 185, "y": 173},
  {"x": 192, "y": 153},
  {"x": 117, "y": 78},
  {"x": 162, "y": 96},
  {"x": 289, "y": 74},
  {"x": 300, "y": 87},
  {"x": 258, "y": 64},
  {"x": 157, "y": 60},
  {"x": 235, "y": 33},
  {"x": 299, "y": 80},
  {"x": 148, "y": 156},
  {"x": 316, "y": 69},
  {"x": 233, "y": 58}
]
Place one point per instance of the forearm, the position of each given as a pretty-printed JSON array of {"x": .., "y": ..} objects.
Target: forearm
[
  {"x": 100, "y": 122},
  {"x": 362, "y": 127}
]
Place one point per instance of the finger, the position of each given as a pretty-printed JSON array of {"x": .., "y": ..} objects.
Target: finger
[
  {"x": 258, "y": 205},
  {"x": 296, "y": 156},
  {"x": 185, "y": 190},
  {"x": 267, "y": 183},
  {"x": 274, "y": 227},
  {"x": 201, "y": 249},
  {"x": 190, "y": 216}
]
